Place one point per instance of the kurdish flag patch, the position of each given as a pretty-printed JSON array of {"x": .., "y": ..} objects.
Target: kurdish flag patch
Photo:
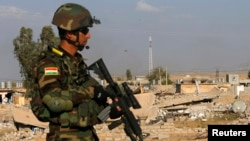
[{"x": 51, "y": 71}]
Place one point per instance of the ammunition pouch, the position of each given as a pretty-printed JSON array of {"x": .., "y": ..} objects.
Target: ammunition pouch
[
  {"x": 82, "y": 116},
  {"x": 87, "y": 112}
]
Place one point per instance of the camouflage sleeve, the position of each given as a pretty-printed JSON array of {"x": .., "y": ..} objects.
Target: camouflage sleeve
[
  {"x": 84, "y": 91},
  {"x": 50, "y": 88}
]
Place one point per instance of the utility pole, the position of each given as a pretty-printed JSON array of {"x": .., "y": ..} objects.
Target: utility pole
[
  {"x": 166, "y": 76},
  {"x": 150, "y": 56},
  {"x": 160, "y": 75}
]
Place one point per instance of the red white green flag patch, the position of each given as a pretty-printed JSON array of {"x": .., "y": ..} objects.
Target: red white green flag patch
[{"x": 51, "y": 71}]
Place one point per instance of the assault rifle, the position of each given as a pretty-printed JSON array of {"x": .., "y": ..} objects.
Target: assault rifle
[{"x": 124, "y": 101}]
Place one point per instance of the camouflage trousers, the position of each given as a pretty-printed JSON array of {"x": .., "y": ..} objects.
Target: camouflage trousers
[{"x": 57, "y": 133}]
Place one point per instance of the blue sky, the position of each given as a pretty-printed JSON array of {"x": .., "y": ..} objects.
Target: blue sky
[{"x": 187, "y": 35}]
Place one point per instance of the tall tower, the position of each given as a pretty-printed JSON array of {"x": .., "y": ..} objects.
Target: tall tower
[{"x": 150, "y": 56}]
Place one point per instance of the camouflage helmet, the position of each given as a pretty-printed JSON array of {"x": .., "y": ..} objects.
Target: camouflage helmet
[{"x": 71, "y": 16}]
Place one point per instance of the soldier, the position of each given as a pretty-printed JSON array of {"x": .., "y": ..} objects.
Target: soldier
[{"x": 64, "y": 93}]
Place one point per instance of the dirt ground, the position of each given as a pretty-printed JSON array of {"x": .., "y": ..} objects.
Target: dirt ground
[{"x": 225, "y": 98}]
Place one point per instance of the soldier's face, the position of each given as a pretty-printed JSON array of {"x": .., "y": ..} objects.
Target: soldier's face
[{"x": 84, "y": 35}]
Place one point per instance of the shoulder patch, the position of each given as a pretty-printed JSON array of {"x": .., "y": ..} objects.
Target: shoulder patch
[{"x": 51, "y": 71}]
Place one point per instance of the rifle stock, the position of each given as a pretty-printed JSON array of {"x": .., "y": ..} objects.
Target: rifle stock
[{"x": 131, "y": 125}]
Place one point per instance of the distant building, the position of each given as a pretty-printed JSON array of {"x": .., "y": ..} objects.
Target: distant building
[
  {"x": 5, "y": 96},
  {"x": 232, "y": 78},
  {"x": 141, "y": 79}
]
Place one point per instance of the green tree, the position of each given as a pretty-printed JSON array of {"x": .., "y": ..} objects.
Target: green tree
[
  {"x": 48, "y": 37},
  {"x": 26, "y": 51},
  {"x": 128, "y": 74},
  {"x": 159, "y": 74}
]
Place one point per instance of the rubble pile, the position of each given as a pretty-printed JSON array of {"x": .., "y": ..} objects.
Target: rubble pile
[
  {"x": 198, "y": 106},
  {"x": 158, "y": 108},
  {"x": 8, "y": 129},
  {"x": 18, "y": 136}
]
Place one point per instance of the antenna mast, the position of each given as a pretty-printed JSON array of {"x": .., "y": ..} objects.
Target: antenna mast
[{"x": 150, "y": 56}]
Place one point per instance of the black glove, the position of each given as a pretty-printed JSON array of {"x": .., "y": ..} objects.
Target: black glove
[
  {"x": 100, "y": 95},
  {"x": 115, "y": 112}
]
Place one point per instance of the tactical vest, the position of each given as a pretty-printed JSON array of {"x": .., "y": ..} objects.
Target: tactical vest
[{"x": 73, "y": 75}]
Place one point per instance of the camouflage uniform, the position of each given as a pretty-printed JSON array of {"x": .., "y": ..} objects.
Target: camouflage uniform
[
  {"x": 67, "y": 90},
  {"x": 63, "y": 92}
]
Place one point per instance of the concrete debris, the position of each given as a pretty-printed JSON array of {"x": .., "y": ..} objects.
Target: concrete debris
[
  {"x": 159, "y": 108},
  {"x": 202, "y": 106},
  {"x": 10, "y": 132}
]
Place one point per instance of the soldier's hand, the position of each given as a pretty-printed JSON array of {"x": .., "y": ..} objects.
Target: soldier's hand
[{"x": 116, "y": 110}]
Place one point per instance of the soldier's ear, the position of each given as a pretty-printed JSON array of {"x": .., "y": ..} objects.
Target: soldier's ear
[{"x": 69, "y": 35}]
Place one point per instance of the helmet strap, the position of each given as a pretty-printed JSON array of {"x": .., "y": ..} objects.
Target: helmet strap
[
  {"x": 76, "y": 43},
  {"x": 80, "y": 47}
]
